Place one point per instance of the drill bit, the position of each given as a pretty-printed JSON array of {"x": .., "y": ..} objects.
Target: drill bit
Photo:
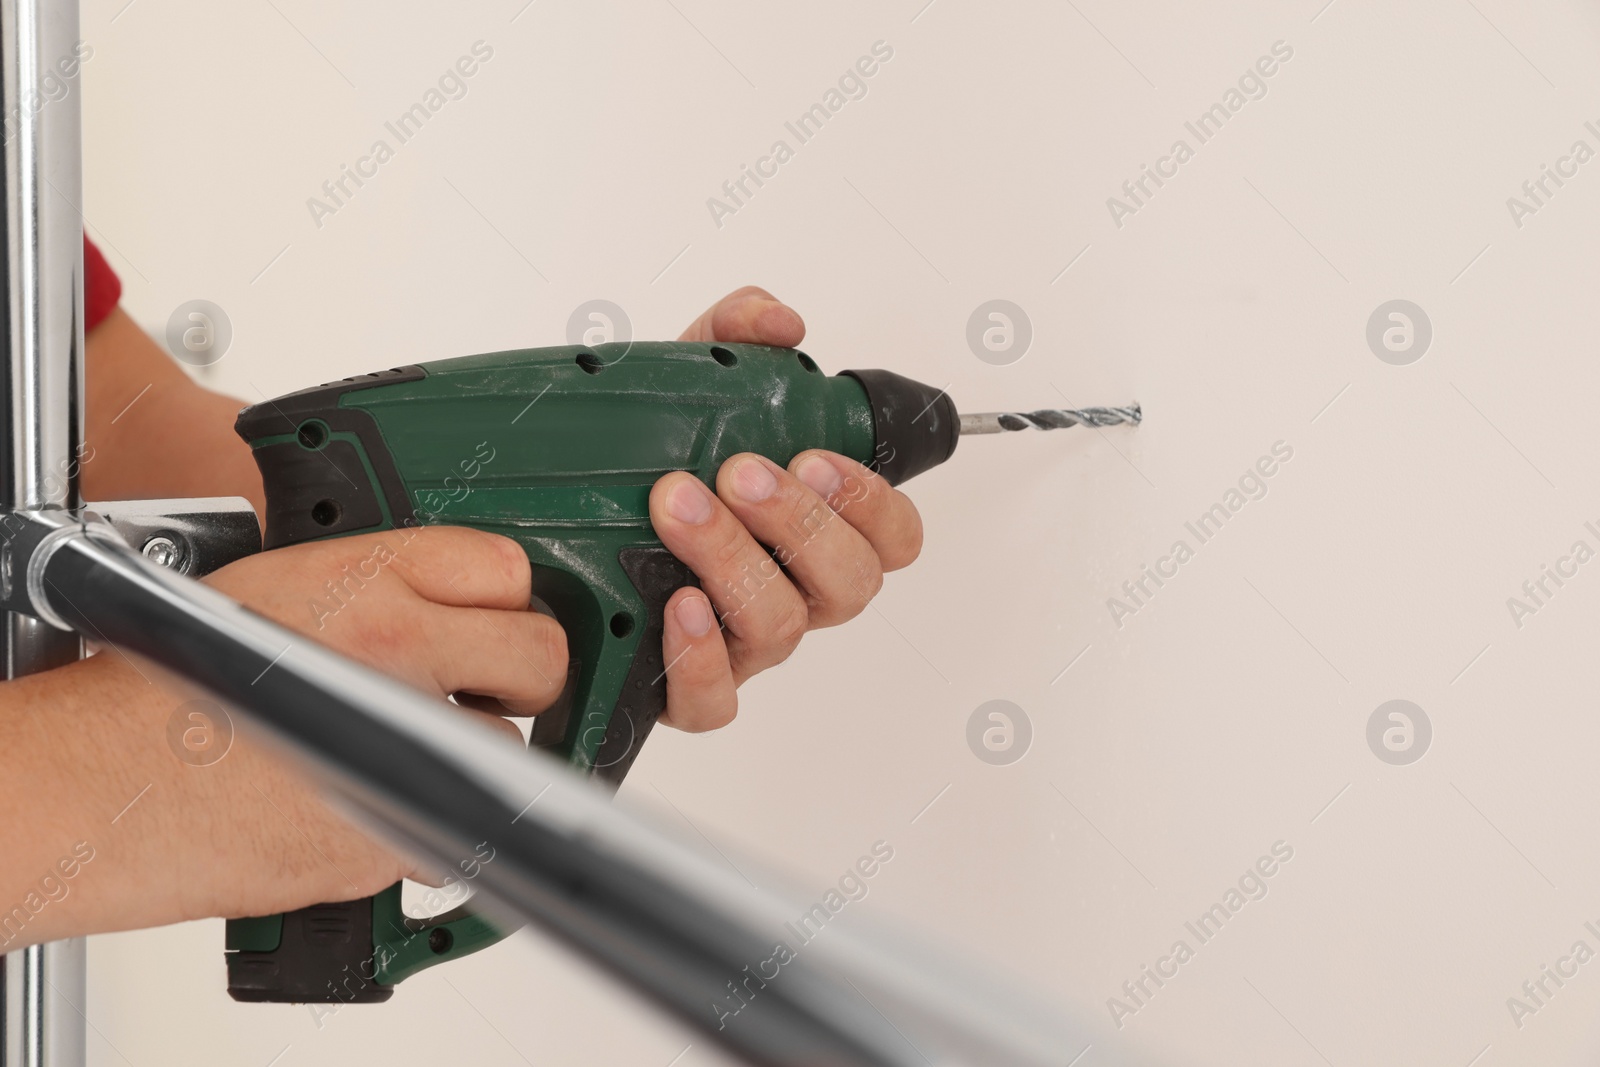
[{"x": 1048, "y": 419}]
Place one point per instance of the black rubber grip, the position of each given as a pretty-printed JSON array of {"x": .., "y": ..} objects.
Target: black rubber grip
[{"x": 656, "y": 573}]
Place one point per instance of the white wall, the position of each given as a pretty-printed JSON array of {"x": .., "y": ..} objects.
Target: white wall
[{"x": 1229, "y": 711}]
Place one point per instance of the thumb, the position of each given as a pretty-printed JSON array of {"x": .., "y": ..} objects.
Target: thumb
[{"x": 749, "y": 316}]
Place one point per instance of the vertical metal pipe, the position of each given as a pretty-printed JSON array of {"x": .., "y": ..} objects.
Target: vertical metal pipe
[{"x": 41, "y": 422}]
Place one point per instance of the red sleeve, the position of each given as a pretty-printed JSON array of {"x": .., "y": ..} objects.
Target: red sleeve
[{"x": 101, "y": 286}]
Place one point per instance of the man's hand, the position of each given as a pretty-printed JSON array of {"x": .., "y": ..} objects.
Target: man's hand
[
  {"x": 92, "y": 756},
  {"x": 834, "y": 525},
  {"x": 442, "y": 608}
]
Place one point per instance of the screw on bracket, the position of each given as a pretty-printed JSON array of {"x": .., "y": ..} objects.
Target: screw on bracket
[{"x": 163, "y": 552}]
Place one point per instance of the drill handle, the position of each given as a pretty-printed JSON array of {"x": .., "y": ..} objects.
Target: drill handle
[
  {"x": 315, "y": 460},
  {"x": 612, "y": 605}
]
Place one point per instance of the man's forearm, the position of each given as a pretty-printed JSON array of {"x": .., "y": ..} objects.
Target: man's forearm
[
  {"x": 151, "y": 431},
  {"x": 102, "y": 818},
  {"x": 70, "y": 847},
  {"x": 107, "y": 828}
]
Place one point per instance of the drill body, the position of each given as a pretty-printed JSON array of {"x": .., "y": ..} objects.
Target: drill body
[{"x": 556, "y": 448}]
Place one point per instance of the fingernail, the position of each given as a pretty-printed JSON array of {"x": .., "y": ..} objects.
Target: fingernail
[
  {"x": 694, "y": 615},
  {"x": 689, "y": 502},
  {"x": 753, "y": 481},
  {"x": 820, "y": 476}
]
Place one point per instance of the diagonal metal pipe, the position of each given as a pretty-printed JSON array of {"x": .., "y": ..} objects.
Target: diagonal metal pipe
[{"x": 680, "y": 930}]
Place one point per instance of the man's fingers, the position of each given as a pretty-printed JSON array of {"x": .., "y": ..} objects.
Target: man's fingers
[
  {"x": 833, "y": 564},
  {"x": 454, "y": 565},
  {"x": 883, "y": 514},
  {"x": 516, "y": 657},
  {"x": 750, "y": 315},
  {"x": 762, "y": 612},
  {"x": 700, "y": 691}
]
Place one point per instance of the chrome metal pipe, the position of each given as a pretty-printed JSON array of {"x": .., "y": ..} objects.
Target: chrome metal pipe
[
  {"x": 44, "y": 255},
  {"x": 42, "y": 1024},
  {"x": 679, "y": 929},
  {"x": 42, "y": 414}
]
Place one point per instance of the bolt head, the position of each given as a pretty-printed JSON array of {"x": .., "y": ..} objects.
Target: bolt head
[{"x": 163, "y": 552}]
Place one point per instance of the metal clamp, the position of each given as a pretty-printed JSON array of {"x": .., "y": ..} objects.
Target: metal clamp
[{"x": 190, "y": 537}]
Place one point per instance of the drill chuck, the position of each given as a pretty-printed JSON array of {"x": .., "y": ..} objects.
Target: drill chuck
[{"x": 915, "y": 426}]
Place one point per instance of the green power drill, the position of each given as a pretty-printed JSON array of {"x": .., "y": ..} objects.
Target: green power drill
[{"x": 556, "y": 448}]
